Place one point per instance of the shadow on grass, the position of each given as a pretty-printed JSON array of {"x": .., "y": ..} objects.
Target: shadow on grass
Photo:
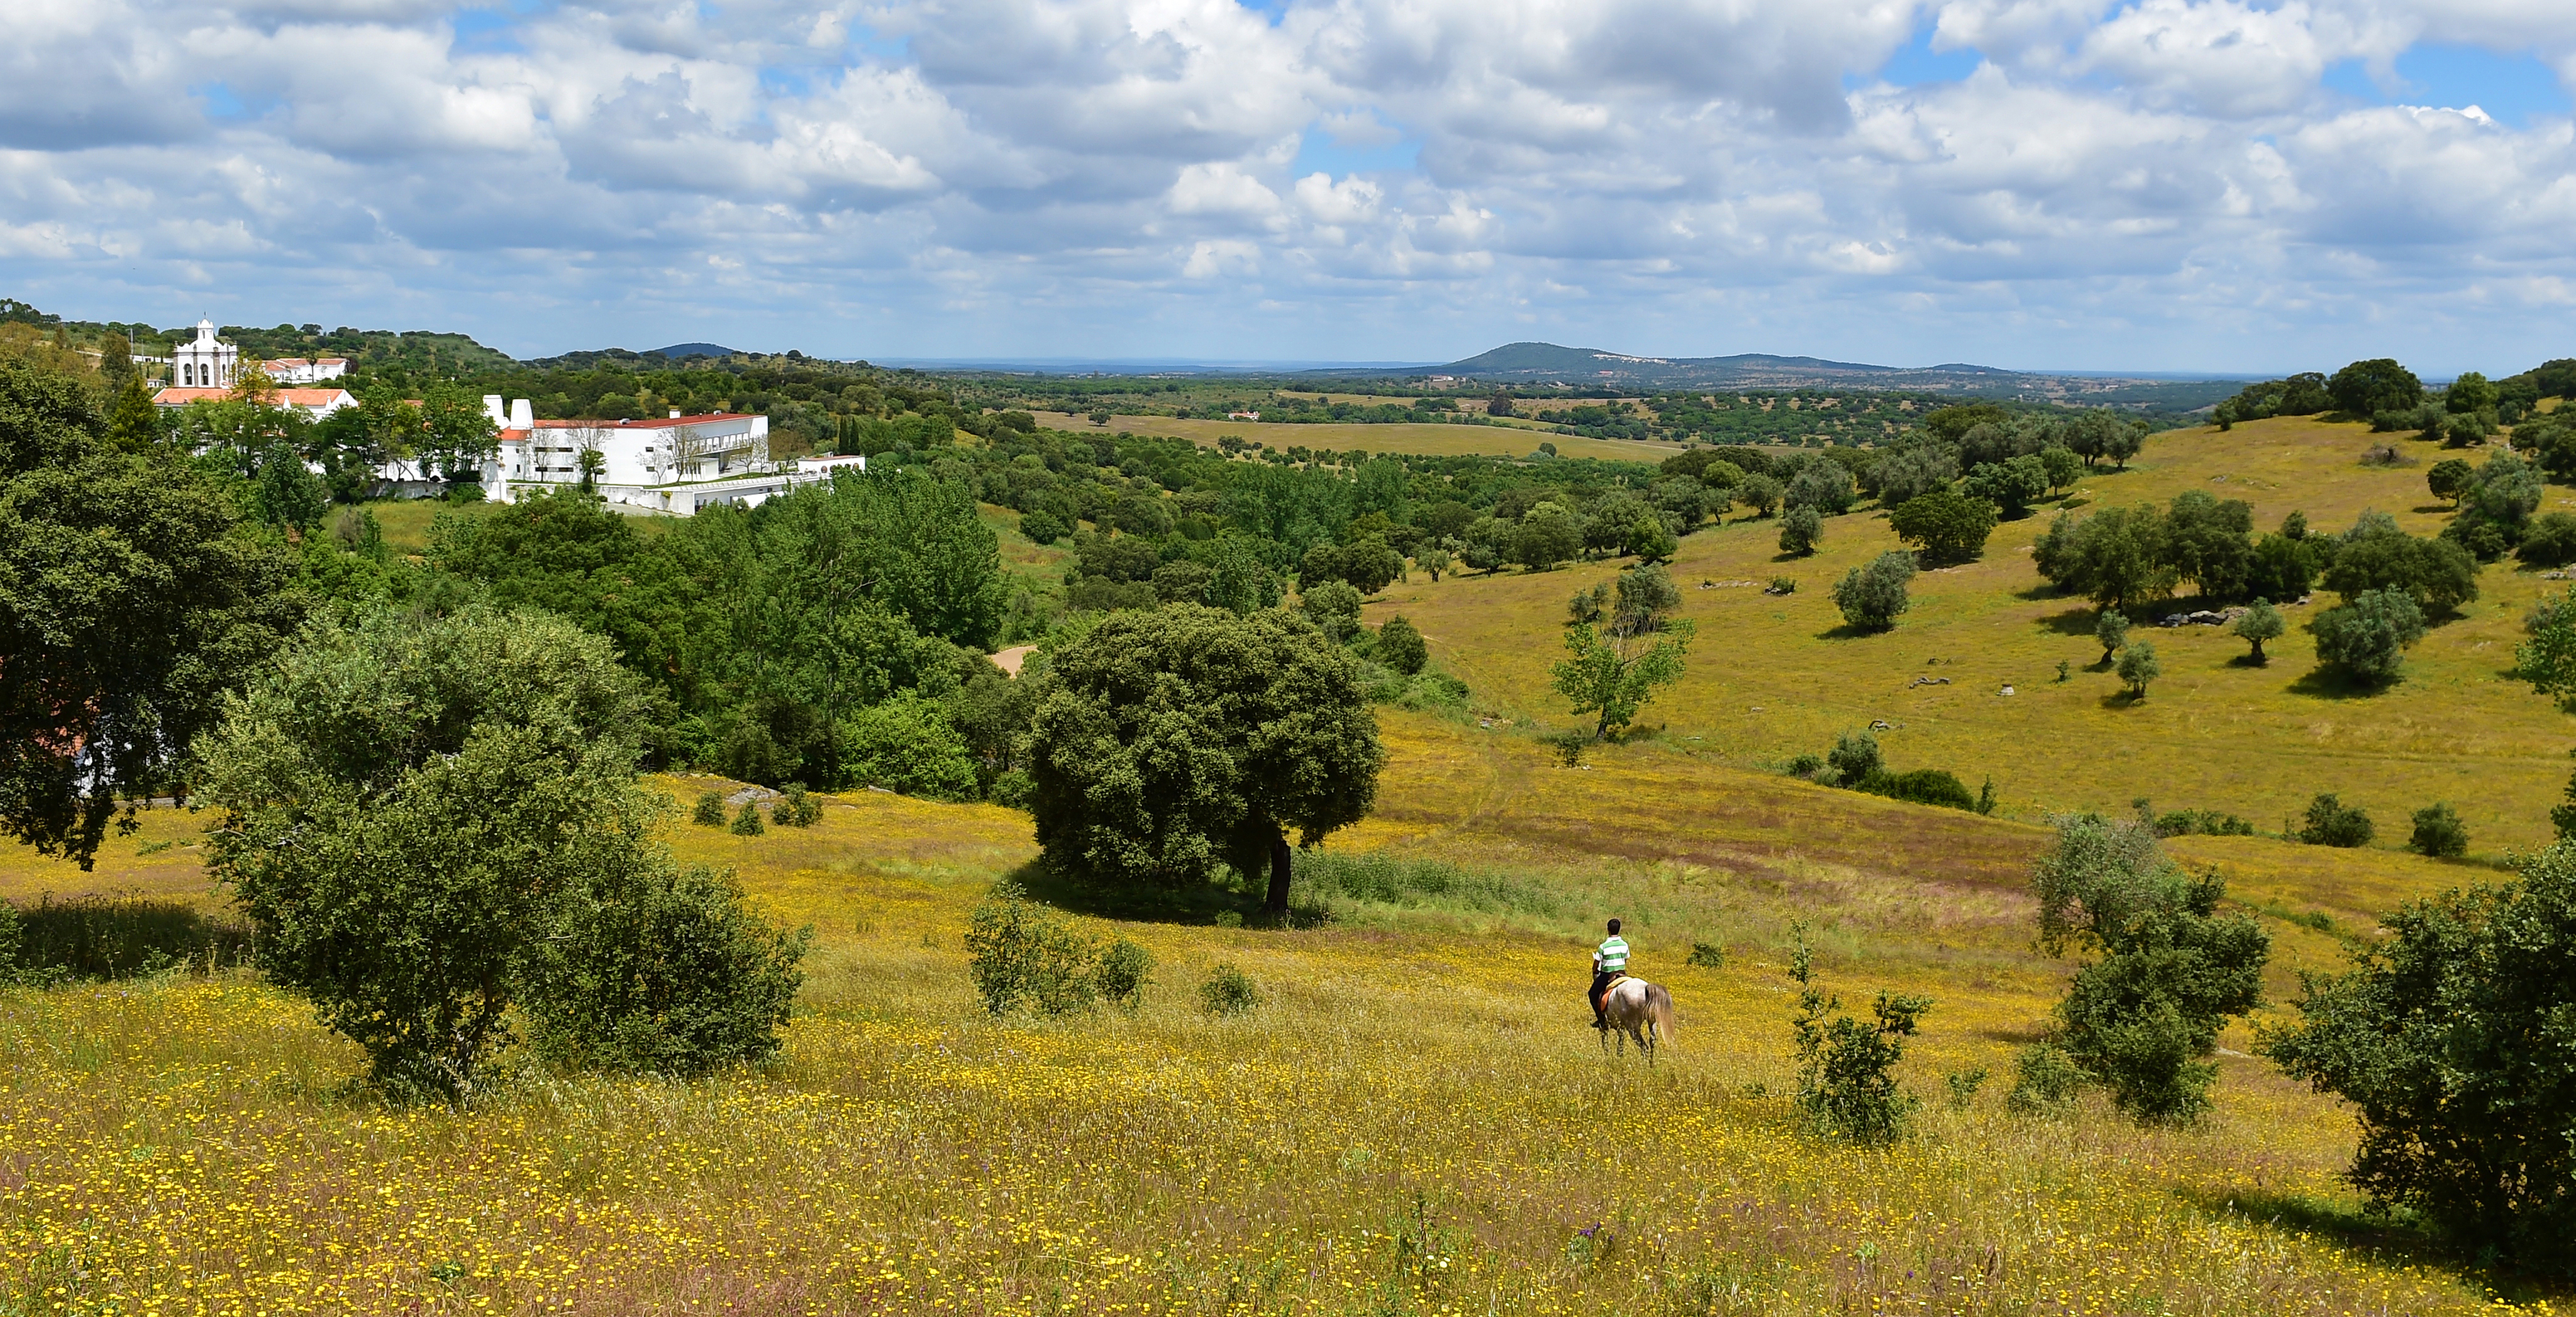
[
  {"x": 2380, "y": 1238},
  {"x": 2076, "y": 621},
  {"x": 2124, "y": 698},
  {"x": 1230, "y": 902},
  {"x": 1850, "y": 631},
  {"x": 2326, "y": 683},
  {"x": 103, "y": 937},
  {"x": 2249, "y": 661}
]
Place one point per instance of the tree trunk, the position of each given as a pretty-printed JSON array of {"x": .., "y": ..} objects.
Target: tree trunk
[{"x": 1280, "y": 858}]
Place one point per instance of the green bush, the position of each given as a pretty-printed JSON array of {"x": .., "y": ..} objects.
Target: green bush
[
  {"x": 2450, "y": 1039},
  {"x": 1963, "y": 1086},
  {"x": 747, "y": 823},
  {"x": 1400, "y": 646},
  {"x": 710, "y": 812},
  {"x": 1923, "y": 786},
  {"x": 2045, "y": 1082},
  {"x": 2439, "y": 832},
  {"x": 2366, "y": 637},
  {"x": 1043, "y": 526},
  {"x": 1802, "y": 528},
  {"x": 1948, "y": 526},
  {"x": 1706, "y": 956},
  {"x": 796, "y": 807},
  {"x": 664, "y": 972},
  {"x": 1229, "y": 991},
  {"x": 2330, "y": 822},
  {"x": 1020, "y": 953},
  {"x": 1855, "y": 758},
  {"x": 908, "y": 744},
  {"x": 1122, "y": 972},
  {"x": 1846, "y": 1068},
  {"x": 2550, "y": 542}
]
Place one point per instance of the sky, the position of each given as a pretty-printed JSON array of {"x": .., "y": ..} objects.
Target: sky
[{"x": 2157, "y": 185}]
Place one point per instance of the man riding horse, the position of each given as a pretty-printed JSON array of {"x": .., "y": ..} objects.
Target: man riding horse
[{"x": 1609, "y": 962}]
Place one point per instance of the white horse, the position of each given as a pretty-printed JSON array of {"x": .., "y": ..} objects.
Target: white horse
[{"x": 1640, "y": 1010}]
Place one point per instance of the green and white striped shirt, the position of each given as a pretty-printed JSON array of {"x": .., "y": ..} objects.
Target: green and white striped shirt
[{"x": 1613, "y": 956}]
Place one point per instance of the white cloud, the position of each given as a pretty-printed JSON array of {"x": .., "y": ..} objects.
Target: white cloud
[{"x": 941, "y": 177}]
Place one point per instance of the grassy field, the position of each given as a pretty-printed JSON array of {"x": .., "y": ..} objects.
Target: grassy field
[
  {"x": 1425, "y": 440},
  {"x": 1773, "y": 676},
  {"x": 1414, "y": 1121}
]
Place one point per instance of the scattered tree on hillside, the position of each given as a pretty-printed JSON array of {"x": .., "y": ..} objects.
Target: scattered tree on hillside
[
  {"x": 2257, "y": 624},
  {"x": 2449, "y": 1039},
  {"x": 1823, "y": 485},
  {"x": 1548, "y": 535},
  {"x": 2011, "y": 485},
  {"x": 2367, "y": 388},
  {"x": 2375, "y": 555},
  {"x": 1873, "y": 597},
  {"x": 1947, "y": 526},
  {"x": 1614, "y": 663},
  {"x": 1760, "y": 493},
  {"x": 2062, "y": 467},
  {"x": 2547, "y": 659},
  {"x": 2110, "y": 630},
  {"x": 2138, "y": 667},
  {"x": 1913, "y": 471},
  {"x": 1400, "y": 646},
  {"x": 1167, "y": 743},
  {"x": 2116, "y": 557},
  {"x": 1847, "y": 1068},
  {"x": 2330, "y": 822},
  {"x": 2366, "y": 638},
  {"x": 2141, "y": 1020},
  {"x": 2439, "y": 832},
  {"x": 2450, "y": 478},
  {"x": 1801, "y": 528}
]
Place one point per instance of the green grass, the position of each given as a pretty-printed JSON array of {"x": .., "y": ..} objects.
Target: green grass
[{"x": 1775, "y": 676}]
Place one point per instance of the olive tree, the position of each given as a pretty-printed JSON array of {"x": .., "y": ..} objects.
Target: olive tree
[
  {"x": 1873, "y": 597},
  {"x": 1167, "y": 743},
  {"x": 2137, "y": 667},
  {"x": 2257, "y": 624},
  {"x": 1944, "y": 524},
  {"x": 2366, "y": 638}
]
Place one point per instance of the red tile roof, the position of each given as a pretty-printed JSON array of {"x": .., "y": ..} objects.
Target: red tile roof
[{"x": 179, "y": 397}]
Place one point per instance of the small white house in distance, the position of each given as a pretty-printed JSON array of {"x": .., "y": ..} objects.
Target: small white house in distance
[{"x": 675, "y": 464}]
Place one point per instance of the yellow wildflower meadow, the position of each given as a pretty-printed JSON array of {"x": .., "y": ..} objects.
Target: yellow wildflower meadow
[{"x": 1416, "y": 1120}]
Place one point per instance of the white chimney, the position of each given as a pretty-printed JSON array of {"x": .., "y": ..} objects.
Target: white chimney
[
  {"x": 522, "y": 416},
  {"x": 492, "y": 409}
]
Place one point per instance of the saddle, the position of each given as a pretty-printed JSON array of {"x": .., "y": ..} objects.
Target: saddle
[{"x": 1608, "y": 988}]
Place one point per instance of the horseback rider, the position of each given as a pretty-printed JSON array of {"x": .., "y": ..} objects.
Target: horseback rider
[{"x": 1609, "y": 962}]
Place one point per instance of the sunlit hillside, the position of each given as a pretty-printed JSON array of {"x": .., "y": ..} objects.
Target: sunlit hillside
[
  {"x": 1416, "y": 1119},
  {"x": 1774, "y": 676}
]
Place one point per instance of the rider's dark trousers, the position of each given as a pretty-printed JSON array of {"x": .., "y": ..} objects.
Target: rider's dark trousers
[{"x": 1600, "y": 979}]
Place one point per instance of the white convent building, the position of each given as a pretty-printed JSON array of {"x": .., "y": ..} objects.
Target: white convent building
[
  {"x": 206, "y": 363},
  {"x": 676, "y": 464}
]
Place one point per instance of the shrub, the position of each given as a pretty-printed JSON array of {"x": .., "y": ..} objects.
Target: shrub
[
  {"x": 1781, "y": 585},
  {"x": 1333, "y": 606},
  {"x": 2206, "y": 822},
  {"x": 1758, "y": 492},
  {"x": 1706, "y": 956},
  {"x": 2045, "y": 1081},
  {"x": 747, "y": 823},
  {"x": 2140, "y": 1020},
  {"x": 1400, "y": 646},
  {"x": 1873, "y": 597},
  {"x": 2138, "y": 666},
  {"x": 665, "y": 972},
  {"x": 1947, "y": 526},
  {"x": 2439, "y": 575},
  {"x": 1122, "y": 972},
  {"x": 1846, "y": 1068},
  {"x": 796, "y": 807},
  {"x": 1801, "y": 529},
  {"x": 1963, "y": 1084},
  {"x": 1923, "y": 786},
  {"x": 2449, "y": 1038},
  {"x": 1856, "y": 757},
  {"x": 1020, "y": 953},
  {"x": 2330, "y": 822},
  {"x": 908, "y": 744},
  {"x": 2439, "y": 832},
  {"x": 1229, "y": 991},
  {"x": 2550, "y": 542},
  {"x": 1806, "y": 766},
  {"x": 710, "y": 812},
  {"x": 2366, "y": 637}
]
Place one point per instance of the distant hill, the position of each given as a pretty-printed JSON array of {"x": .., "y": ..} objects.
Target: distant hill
[
  {"x": 695, "y": 350},
  {"x": 1548, "y": 363}
]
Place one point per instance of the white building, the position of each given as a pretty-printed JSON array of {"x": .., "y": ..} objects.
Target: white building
[
  {"x": 305, "y": 370},
  {"x": 675, "y": 464},
  {"x": 205, "y": 363}
]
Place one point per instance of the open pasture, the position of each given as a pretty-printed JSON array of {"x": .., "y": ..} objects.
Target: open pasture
[
  {"x": 1425, "y": 440},
  {"x": 1772, "y": 676},
  {"x": 1415, "y": 1120}
]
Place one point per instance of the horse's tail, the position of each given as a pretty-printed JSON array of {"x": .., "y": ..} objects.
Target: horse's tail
[{"x": 1659, "y": 1011}]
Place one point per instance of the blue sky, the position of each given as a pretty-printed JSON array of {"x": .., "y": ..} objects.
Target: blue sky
[{"x": 2165, "y": 185}]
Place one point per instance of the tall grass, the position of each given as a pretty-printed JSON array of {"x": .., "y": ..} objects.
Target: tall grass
[{"x": 112, "y": 937}]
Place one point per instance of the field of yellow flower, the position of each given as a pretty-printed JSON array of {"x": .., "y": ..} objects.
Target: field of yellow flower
[{"x": 1415, "y": 1120}]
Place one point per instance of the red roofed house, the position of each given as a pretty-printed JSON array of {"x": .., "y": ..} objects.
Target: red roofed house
[{"x": 316, "y": 403}]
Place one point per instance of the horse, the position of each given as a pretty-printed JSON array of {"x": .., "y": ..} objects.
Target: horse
[{"x": 1640, "y": 1010}]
